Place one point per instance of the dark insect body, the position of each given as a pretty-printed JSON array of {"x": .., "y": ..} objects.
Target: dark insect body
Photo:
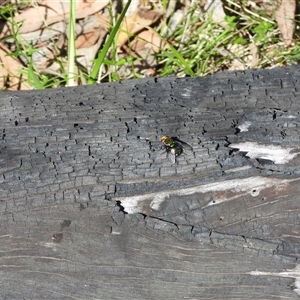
[{"x": 174, "y": 146}]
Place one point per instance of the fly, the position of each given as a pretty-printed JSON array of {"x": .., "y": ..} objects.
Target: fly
[{"x": 174, "y": 146}]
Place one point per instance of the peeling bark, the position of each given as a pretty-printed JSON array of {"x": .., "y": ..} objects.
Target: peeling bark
[{"x": 92, "y": 208}]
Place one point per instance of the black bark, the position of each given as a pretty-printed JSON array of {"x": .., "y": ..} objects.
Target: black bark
[{"x": 92, "y": 208}]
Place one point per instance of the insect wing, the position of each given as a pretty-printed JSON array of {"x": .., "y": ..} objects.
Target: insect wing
[
  {"x": 187, "y": 146},
  {"x": 182, "y": 144}
]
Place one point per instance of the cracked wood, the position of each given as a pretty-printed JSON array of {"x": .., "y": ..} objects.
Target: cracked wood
[{"x": 91, "y": 206}]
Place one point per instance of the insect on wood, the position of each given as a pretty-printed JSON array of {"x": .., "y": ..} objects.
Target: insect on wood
[{"x": 174, "y": 147}]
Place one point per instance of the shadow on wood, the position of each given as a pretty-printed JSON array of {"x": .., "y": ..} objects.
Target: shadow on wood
[{"x": 92, "y": 208}]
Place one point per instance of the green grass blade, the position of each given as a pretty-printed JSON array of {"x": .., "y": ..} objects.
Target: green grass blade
[
  {"x": 183, "y": 62},
  {"x": 103, "y": 52},
  {"x": 33, "y": 79},
  {"x": 71, "y": 44}
]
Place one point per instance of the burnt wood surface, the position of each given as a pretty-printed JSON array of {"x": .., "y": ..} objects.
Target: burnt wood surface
[{"x": 92, "y": 208}]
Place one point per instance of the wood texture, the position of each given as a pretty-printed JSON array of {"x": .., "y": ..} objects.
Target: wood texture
[{"x": 91, "y": 207}]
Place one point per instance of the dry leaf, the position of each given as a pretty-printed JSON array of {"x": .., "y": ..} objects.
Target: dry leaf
[
  {"x": 85, "y": 56},
  {"x": 216, "y": 7},
  {"x": 10, "y": 70},
  {"x": 147, "y": 39},
  {"x": 91, "y": 30},
  {"x": 45, "y": 34},
  {"x": 144, "y": 46},
  {"x": 49, "y": 12},
  {"x": 140, "y": 19},
  {"x": 254, "y": 55},
  {"x": 285, "y": 15}
]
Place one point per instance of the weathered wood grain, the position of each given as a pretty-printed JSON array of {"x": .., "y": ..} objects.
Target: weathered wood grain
[{"x": 91, "y": 207}]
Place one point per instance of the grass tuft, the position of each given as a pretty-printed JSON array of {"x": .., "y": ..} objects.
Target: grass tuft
[{"x": 186, "y": 40}]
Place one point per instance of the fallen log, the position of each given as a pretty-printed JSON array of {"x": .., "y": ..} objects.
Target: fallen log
[{"x": 93, "y": 208}]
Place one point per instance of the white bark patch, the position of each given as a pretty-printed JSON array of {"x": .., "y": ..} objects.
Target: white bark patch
[
  {"x": 277, "y": 154},
  {"x": 239, "y": 169},
  {"x": 51, "y": 245},
  {"x": 293, "y": 273},
  {"x": 244, "y": 126},
  {"x": 237, "y": 187}
]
